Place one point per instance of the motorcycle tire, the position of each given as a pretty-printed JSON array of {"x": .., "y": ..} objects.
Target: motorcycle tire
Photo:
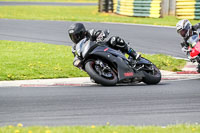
[
  {"x": 89, "y": 68},
  {"x": 198, "y": 68},
  {"x": 152, "y": 79}
]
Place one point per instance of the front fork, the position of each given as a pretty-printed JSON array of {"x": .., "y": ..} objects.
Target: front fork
[{"x": 141, "y": 66}]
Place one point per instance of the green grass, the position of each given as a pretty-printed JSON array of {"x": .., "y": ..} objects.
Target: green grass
[
  {"x": 74, "y": 13},
  {"x": 22, "y": 60},
  {"x": 25, "y": 60},
  {"x": 92, "y": 1},
  {"x": 165, "y": 62},
  {"x": 185, "y": 128}
]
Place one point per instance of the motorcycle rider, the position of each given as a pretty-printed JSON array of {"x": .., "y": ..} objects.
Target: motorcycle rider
[
  {"x": 186, "y": 30},
  {"x": 77, "y": 32}
]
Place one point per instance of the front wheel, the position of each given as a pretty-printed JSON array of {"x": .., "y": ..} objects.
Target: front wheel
[
  {"x": 198, "y": 68},
  {"x": 101, "y": 72}
]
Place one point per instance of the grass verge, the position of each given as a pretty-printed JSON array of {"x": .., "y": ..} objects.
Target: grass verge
[
  {"x": 92, "y": 1},
  {"x": 25, "y": 60},
  {"x": 185, "y": 128},
  {"x": 164, "y": 62},
  {"x": 74, "y": 13}
]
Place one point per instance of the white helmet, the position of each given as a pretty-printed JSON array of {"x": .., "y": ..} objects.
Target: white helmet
[{"x": 183, "y": 27}]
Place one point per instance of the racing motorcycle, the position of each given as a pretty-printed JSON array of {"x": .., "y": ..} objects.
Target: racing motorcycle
[
  {"x": 108, "y": 67},
  {"x": 193, "y": 50}
]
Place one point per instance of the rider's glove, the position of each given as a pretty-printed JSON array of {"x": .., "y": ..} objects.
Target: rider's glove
[
  {"x": 100, "y": 36},
  {"x": 183, "y": 44},
  {"x": 74, "y": 51},
  {"x": 185, "y": 49}
]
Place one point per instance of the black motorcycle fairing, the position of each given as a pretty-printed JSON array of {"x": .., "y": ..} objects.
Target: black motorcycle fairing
[
  {"x": 116, "y": 59},
  {"x": 88, "y": 47},
  {"x": 104, "y": 48},
  {"x": 144, "y": 65},
  {"x": 143, "y": 61}
]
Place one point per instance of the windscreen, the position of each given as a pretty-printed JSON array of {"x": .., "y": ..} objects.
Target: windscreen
[
  {"x": 193, "y": 40},
  {"x": 79, "y": 46}
]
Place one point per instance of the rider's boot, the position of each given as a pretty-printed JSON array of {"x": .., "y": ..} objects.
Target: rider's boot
[{"x": 133, "y": 54}]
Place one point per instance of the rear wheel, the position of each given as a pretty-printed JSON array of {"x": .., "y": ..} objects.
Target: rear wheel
[
  {"x": 101, "y": 72},
  {"x": 152, "y": 75}
]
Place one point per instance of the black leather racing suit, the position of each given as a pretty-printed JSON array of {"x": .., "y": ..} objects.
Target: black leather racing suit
[
  {"x": 193, "y": 31},
  {"x": 114, "y": 42}
]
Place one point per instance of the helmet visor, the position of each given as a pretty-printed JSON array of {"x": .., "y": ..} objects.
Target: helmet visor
[
  {"x": 75, "y": 38},
  {"x": 188, "y": 26},
  {"x": 183, "y": 32}
]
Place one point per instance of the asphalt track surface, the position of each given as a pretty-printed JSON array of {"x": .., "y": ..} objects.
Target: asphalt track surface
[
  {"x": 7, "y": 3},
  {"x": 145, "y": 39},
  {"x": 164, "y": 104}
]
